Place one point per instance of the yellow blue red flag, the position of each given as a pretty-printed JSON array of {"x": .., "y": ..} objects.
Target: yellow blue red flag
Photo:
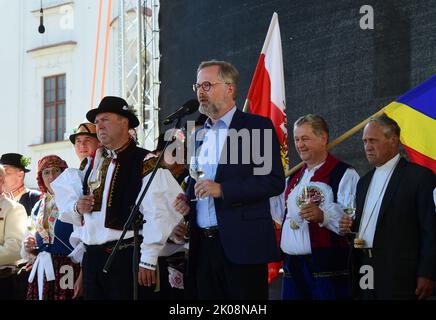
[{"x": 415, "y": 113}]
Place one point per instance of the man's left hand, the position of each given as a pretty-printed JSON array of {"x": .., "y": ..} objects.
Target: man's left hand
[
  {"x": 424, "y": 288},
  {"x": 311, "y": 212},
  {"x": 206, "y": 188},
  {"x": 146, "y": 277}
]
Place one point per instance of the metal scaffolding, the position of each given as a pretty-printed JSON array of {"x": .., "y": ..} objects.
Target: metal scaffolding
[{"x": 139, "y": 64}]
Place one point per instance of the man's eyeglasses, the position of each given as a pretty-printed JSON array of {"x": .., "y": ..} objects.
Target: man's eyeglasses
[{"x": 206, "y": 85}]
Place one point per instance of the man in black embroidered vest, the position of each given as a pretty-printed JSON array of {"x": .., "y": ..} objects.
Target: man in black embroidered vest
[
  {"x": 15, "y": 165},
  {"x": 114, "y": 181},
  {"x": 394, "y": 254},
  {"x": 315, "y": 255}
]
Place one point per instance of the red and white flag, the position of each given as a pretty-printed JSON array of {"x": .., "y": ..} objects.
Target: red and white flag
[{"x": 266, "y": 96}]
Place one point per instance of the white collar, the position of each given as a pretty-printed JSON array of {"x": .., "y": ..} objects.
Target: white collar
[
  {"x": 314, "y": 168},
  {"x": 388, "y": 166}
]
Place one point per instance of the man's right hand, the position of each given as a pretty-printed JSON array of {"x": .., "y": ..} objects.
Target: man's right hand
[
  {"x": 146, "y": 277},
  {"x": 181, "y": 204},
  {"x": 85, "y": 204},
  {"x": 345, "y": 224}
]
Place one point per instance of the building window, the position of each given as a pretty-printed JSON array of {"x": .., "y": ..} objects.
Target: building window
[{"x": 54, "y": 108}]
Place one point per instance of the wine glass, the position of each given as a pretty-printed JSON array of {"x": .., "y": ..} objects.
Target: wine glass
[
  {"x": 350, "y": 207},
  {"x": 350, "y": 204},
  {"x": 306, "y": 196},
  {"x": 95, "y": 183},
  {"x": 195, "y": 172},
  {"x": 302, "y": 200},
  {"x": 31, "y": 233}
]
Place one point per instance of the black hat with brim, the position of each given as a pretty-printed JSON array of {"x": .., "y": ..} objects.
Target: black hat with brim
[
  {"x": 14, "y": 160},
  {"x": 114, "y": 105}
]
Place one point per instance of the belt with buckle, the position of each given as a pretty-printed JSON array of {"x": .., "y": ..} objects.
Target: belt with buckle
[
  {"x": 211, "y": 232},
  {"x": 108, "y": 247}
]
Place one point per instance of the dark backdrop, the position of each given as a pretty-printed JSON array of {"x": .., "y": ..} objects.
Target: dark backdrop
[{"x": 332, "y": 67}]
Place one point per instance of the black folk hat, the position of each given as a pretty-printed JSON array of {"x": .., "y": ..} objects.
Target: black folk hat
[
  {"x": 16, "y": 160},
  {"x": 85, "y": 128},
  {"x": 114, "y": 105}
]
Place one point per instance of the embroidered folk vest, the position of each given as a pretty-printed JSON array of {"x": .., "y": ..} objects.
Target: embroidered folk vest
[
  {"x": 125, "y": 185},
  {"x": 329, "y": 250}
]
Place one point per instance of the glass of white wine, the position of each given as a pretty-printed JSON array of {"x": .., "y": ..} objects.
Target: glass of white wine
[
  {"x": 195, "y": 172},
  {"x": 350, "y": 207},
  {"x": 350, "y": 204},
  {"x": 94, "y": 183}
]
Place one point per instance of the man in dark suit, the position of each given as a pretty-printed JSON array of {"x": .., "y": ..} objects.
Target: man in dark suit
[
  {"x": 395, "y": 246},
  {"x": 232, "y": 236},
  {"x": 15, "y": 165}
]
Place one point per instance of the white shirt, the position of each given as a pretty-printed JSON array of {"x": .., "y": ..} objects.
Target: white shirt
[
  {"x": 374, "y": 199},
  {"x": 159, "y": 214},
  {"x": 297, "y": 241}
]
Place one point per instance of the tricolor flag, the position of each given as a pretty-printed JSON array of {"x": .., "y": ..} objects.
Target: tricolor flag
[
  {"x": 415, "y": 113},
  {"x": 266, "y": 96}
]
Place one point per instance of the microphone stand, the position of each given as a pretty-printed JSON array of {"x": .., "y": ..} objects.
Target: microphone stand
[{"x": 137, "y": 221}]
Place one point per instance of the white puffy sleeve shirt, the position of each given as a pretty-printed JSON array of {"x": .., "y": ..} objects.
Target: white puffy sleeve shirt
[
  {"x": 159, "y": 215},
  {"x": 297, "y": 241}
]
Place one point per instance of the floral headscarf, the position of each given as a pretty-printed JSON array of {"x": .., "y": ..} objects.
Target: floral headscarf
[{"x": 48, "y": 162}]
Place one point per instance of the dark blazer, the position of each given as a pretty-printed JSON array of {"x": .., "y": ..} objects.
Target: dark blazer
[
  {"x": 243, "y": 214},
  {"x": 29, "y": 199},
  {"x": 404, "y": 246}
]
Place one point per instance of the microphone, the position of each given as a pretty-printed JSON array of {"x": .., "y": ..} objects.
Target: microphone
[
  {"x": 41, "y": 28},
  {"x": 188, "y": 107}
]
